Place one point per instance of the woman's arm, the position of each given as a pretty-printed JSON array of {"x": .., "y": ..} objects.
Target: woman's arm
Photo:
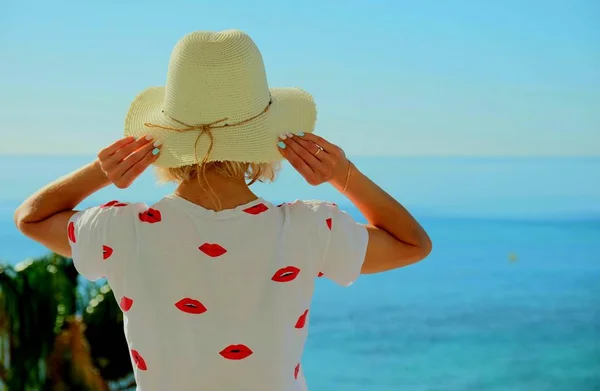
[
  {"x": 43, "y": 217},
  {"x": 395, "y": 238}
]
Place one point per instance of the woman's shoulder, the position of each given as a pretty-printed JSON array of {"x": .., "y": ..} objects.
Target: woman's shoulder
[
  {"x": 308, "y": 205},
  {"x": 311, "y": 211}
]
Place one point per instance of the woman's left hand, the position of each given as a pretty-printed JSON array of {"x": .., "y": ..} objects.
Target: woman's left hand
[
  {"x": 126, "y": 159},
  {"x": 315, "y": 158}
]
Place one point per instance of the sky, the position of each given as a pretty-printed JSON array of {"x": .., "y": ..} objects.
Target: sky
[{"x": 390, "y": 78}]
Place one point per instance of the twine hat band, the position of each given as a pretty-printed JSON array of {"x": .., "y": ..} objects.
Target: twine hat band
[{"x": 205, "y": 128}]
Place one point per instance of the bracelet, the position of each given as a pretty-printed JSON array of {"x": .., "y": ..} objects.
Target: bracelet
[{"x": 347, "y": 177}]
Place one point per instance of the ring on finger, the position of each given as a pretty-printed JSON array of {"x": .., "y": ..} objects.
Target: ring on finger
[{"x": 319, "y": 149}]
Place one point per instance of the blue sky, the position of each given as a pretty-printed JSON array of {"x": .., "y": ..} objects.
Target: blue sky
[{"x": 389, "y": 77}]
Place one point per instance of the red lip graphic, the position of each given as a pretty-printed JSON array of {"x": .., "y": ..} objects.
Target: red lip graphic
[
  {"x": 236, "y": 352},
  {"x": 320, "y": 275},
  {"x": 138, "y": 360},
  {"x": 114, "y": 203},
  {"x": 329, "y": 221},
  {"x": 150, "y": 216},
  {"x": 126, "y": 303},
  {"x": 106, "y": 252},
  {"x": 286, "y": 274},
  {"x": 301, "y": 320},
  {"x": 212, "y": 249},
  {"x": 296, "y": 371},
  {"x": 190, "y": 306},
  {"x": 71, "y": 232},
  {"x": 256, "y": 209}
]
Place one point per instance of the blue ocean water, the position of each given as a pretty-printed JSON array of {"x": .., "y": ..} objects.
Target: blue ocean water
[{"x": 509, "y": 299}]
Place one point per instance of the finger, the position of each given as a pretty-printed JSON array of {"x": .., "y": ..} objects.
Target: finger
[
  {"x": 323, "y": 156},
  {"x": 133, "y": 159},
  {"x": 140, "y": 166},
  {"x": 296, "y": 161},
  {"x": 304, "y": 153},
  {"x": 106, "y": 152},
  {"x": 321, "y": 164},
  {"x": 327, "y": 162},
  {"x": 109, "y": 150},
  {"x": 320, "y": 141},
  {"x": 125, "y": 151},
  {"x": 319, "y": 172}
]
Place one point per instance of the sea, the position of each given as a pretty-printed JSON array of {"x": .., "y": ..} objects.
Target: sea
[{"x": 508, "y": 300}]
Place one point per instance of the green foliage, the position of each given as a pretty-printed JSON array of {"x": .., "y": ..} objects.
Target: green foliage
[
  {"x": 108, "y": 345},
  {"x": 40, "y": 302}
]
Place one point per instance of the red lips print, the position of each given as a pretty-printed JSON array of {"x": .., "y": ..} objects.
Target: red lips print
[
  {"x": 126, "y": 303},
  {"x": 150, "y": 216},
  {"x": 138, "y": 360},
  {"x": 114, "y": 203},
  {"x": 71, "y": 232},
  {"x": 296, "y": 371},
  {"x": 320, "y": 274},
  {"x": 106, "y": 252},
  {"x": 256, "y": 209},
  {"x": 190, "y": 306},
  {"x": 212, "y": 249},
  {"x": 286, "y": 274},
  {"x": 301, "y": 320},
  {"x": 236, "y": 352},
  {"x": 328, "y": 221}
]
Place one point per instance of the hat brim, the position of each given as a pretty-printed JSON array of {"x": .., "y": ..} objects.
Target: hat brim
[{"x": 292, "y": 110}]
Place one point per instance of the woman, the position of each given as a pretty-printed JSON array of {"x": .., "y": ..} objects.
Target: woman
[{"x": 215, "y": 283}]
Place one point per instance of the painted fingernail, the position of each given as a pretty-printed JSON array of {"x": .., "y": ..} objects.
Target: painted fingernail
[
  {"x": 148, "y": 137},
  {"x": 290, "y": 134},
  {"x": 300, "y": 134},
  {"x": 281, "y": 145},
  {"x": 282, "y": 136},
  {"x": 157, "y": 144},
  {"x": 155, "y": 151}
]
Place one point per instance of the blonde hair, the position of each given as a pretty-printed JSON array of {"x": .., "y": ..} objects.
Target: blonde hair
[{"x": 251, "y": 172}]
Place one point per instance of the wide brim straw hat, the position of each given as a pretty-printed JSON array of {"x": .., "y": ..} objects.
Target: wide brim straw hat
[{"x": 217, "y": 99}]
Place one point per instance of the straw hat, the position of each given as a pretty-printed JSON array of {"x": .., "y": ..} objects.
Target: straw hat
[{"x": 217, "y": 90}]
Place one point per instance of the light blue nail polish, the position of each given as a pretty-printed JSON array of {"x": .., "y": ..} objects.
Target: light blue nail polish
[
  {"x": 281, "y": 144},
  {"x": 300, "y": 134},
  {"x": 155, "y": 151}
]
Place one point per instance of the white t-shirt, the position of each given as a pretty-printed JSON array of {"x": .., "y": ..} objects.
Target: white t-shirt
[{"x": 217, "y": 300}]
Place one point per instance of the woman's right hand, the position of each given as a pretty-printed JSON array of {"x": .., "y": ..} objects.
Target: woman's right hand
[
  {"x": 126, "y": 159},
  {"x": 316, "y": 159}
]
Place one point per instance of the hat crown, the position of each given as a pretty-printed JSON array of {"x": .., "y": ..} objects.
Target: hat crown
[{"x": 215, "y": 75}]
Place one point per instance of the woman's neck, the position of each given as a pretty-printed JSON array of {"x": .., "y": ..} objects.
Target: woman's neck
[{"x": 227, "y": 193}]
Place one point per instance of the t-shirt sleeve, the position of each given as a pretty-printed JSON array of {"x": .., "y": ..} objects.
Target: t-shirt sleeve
[
  {"x": 101, "y": 234},
  {"x": 347, "y": 247}
]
